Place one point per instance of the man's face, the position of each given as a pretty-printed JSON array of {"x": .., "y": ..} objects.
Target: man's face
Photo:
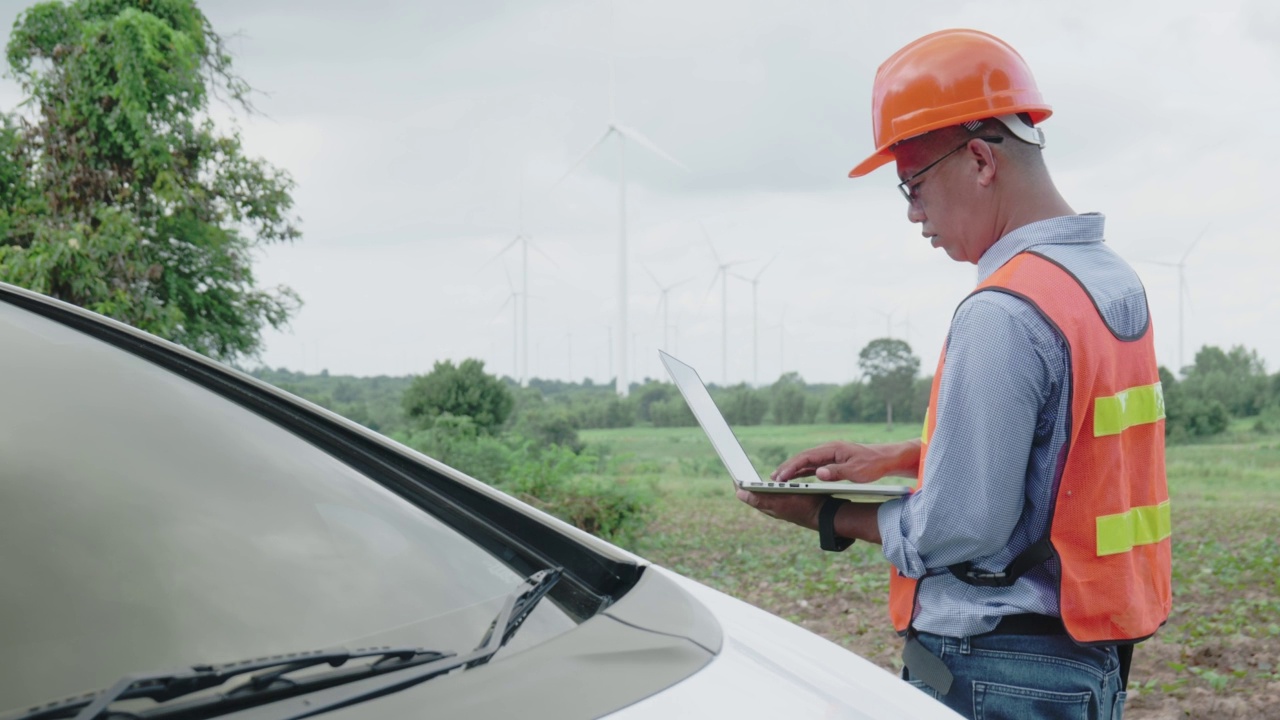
[{"x": 951, "y": 212}]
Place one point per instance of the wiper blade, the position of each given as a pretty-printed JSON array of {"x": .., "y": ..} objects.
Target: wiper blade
[{"x": 272, "y": 683}]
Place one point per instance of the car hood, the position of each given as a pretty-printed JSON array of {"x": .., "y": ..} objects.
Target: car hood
[{"x": 769, "y": 668}]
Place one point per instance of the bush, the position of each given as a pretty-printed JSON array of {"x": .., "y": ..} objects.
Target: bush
[
  {"x": 457, "y": 442},
  {"x": 672, "y": 412},
  {"x": 550, "y": 426},
  {"x": 616, "y": 510},
  {"x": 741, "y": 405}
]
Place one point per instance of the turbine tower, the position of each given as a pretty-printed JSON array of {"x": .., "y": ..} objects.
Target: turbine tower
[
  {"x": 755, "y": 319},
  {"x": 1183, "y": 291},
  {"x": 722, "y": 272},
  {"x": 522, "y": 237},
  {"x": 663, "y": 306},
  {"x": 623, "y": 134}
]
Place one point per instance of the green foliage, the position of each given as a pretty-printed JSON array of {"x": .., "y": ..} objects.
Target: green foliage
[
  {"x": 672, "y": 412},
  {"x": 465, "y": 390},
  {"x": 560, "y": 483},
  {"x": 550, "y": 425},
  {"x": 741, "y": 405},
  {"x": 118, "y": 193},
  {"x": 788, "y": 402},
  {"x": 1237, "y": 379},
  {"x": 371, "y": 401},
  {"x": 891, "y": 370}
]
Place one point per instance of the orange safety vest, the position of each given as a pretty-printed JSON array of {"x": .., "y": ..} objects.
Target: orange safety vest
[{"x": 1110, "y": 523}]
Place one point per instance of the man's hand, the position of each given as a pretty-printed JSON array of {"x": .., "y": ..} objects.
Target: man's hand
[
  {"x": 853, "y": 520},
  {"x": 852, "y": 461},
  {"x": 799, "y": 509}
]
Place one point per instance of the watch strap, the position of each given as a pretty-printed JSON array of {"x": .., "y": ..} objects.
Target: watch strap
[{"x": 827, "y": 537}]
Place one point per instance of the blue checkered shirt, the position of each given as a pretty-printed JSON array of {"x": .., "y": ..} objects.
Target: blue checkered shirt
[{"x": 998, "y": 449}]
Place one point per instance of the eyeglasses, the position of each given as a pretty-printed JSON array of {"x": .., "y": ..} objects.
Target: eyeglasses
[{"x": 909, "y": 192}]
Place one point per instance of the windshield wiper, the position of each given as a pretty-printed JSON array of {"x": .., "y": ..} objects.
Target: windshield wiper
[{"x": 271, "y": 683}]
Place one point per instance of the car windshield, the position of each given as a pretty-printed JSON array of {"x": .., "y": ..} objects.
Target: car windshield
[{"x": 150, "y": 524}]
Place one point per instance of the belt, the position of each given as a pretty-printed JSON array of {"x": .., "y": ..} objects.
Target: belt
[{"x": 1029, "y": 624}]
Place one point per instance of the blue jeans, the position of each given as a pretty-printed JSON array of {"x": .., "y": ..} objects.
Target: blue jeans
[{"x": 1027, "y": 676}]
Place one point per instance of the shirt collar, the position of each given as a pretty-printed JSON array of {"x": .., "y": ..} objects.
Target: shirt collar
[{"x": 1085, "y": 228}]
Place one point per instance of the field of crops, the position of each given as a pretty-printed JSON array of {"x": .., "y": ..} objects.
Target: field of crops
[{"x": 1219, "y": 654}]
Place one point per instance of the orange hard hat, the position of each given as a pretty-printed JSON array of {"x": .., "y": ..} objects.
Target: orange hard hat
[{"x": 948, "y": 78}]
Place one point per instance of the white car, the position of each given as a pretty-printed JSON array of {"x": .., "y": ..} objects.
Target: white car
[{"x": 180, "y": 540}]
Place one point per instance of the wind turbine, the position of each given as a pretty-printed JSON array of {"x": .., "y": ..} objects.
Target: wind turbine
[
  {"x": 755, "y": 319},
  {"x": 622, "y": 133},
  {"x": 888, "y": 321},
  {"x": 1183, "y": 291},
  {"x": 514, "y": 301},
  {"x": 522, "y": 237},
  {"x": 663, "y": 306},
  {"x": 722, "y": 272}
]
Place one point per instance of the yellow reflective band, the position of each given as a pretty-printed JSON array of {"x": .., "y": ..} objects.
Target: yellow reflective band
[
  {"x": 1136, "y": 406},
  {"x": 924, "y": 432},
  {"x": 1140, "y": 526}
]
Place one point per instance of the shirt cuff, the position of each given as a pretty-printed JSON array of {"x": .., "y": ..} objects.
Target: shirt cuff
[{"x": 892, "y": 542}]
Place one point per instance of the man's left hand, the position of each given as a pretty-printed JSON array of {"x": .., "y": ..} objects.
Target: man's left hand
[{"x": 799, "y": 509}]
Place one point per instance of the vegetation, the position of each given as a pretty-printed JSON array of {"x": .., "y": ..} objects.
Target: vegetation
[{"x": 117, "y": 193}]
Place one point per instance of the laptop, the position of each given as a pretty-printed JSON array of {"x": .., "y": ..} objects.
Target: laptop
[{"x": 735, "y": 458}]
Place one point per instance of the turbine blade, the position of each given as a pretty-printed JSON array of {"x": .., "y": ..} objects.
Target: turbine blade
[
  {"x": 543, "y": 254},
  {"x": 710, "y": 244},
  {"x": 635, "y": 135},
  {"x": 586, "y": 154},
  {"x": 766, "y": 266},
  {"x": 1194, "y": 243},
  {"x": 651, "y": 275},
  {"x": 499, "y": 254}
]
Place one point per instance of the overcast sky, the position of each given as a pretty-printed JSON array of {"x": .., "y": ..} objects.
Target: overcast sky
[{"x": 411, "y": 127}]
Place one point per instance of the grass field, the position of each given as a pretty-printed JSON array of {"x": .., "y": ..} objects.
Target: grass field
[{"x": 1219, "y": 654}]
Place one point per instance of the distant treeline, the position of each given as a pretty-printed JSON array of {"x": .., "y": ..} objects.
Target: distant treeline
[{"x": 1200, "y": 401}]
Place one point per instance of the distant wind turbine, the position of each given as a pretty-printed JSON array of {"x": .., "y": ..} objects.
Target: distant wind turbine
[
  {"x": 514, "y": 301},
  {"x": 722, "y": 272},
  {"x": 755, "y": 319},
  {"x": 888, "y": 321},
  {"x": 623, "y": 133},
  {"x": 522, "y": 237},
  {"x": 663, "y": 307},
  {"x": 1183, "y": 290}
]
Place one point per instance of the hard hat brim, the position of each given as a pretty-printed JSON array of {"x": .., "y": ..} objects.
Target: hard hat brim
[{"x": 881, "y": 157}]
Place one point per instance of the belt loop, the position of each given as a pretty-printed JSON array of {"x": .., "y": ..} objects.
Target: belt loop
[{"x": 965, "y": 645}]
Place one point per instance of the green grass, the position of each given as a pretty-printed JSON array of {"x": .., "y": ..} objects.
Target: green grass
[{"x": 1225, "y": 491}]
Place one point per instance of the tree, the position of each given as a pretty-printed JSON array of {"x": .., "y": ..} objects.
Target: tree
[
  {"x": 741, "y": 405},
  {"x": 118, "y": 194},
  {"x": 465, "y": 390},
  {"x": 788, "y": 400},
  {"x": 890, "y": 369}
]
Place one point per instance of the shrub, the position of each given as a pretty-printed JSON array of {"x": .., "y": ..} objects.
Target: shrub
[{"x": 616, "y": 510}]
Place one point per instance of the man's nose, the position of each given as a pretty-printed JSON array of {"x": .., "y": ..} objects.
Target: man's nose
[{"x": 914, "y": 213}]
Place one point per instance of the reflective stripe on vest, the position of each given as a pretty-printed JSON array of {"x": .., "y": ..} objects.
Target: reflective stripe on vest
[
  {"x": 1136, "y": 406},
  {"x": 1139, "y": 526}
]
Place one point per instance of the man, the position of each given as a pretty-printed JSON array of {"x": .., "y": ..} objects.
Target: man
[{"x": 1035, "y": 549}]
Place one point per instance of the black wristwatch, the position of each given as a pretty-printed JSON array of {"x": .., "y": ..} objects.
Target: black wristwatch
[{"x": 827, "y": 537}]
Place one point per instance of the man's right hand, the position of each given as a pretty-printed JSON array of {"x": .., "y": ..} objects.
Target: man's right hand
[{"x": 852, "y": 461}]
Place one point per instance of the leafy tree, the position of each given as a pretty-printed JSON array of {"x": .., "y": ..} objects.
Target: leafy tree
[
  {"x": 741, "y": 405},
  {"x": 890, "y": 369},
  {"x": 788, "y": 401},
  {"x": 465, "y": 390},
  {"x": 1237, "y": 379},
  {"x": 118, "y": 194}
]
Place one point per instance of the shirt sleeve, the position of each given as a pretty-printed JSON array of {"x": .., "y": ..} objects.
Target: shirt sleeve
[{"x": 995, "y": 380}]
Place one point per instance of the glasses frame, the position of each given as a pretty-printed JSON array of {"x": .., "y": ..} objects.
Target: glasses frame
[{"x": 909, "y": 192}]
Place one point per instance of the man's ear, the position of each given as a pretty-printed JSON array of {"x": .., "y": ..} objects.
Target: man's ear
[{"x": 986, "y": 159}]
